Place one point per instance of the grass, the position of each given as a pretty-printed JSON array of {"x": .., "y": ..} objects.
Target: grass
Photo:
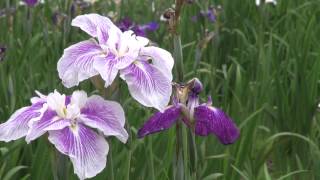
[{"x": 262, "y": 66}]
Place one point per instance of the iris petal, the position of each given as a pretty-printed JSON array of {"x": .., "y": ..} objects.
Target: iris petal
[
  {"x": 107, "y": 116},
  {"x": 76, "y": 64},
  {"x": 49, "y": 121},
  {"x": 17, "y": 125},
  {"x": 160, "y": 121},
  {"x": 211, "y": 120},
  {"x": 86, "y": 149},
  {"x": 95, "y": 25},
  {"x": 161, "y": 58},
  {"x": 147, "y": 84}
]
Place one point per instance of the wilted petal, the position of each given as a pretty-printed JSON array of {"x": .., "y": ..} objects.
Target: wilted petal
[
  {"x": 17, "y": 125},
  {"x": 160, "y": 121},
  {"x": 86, "y": 149},
  {"x": 107, "y": 116},
  {"x": 161, "y": 58},
  {"x": 95, "y": 25},
  {"x": 147, "y": 84},
  {"x": 49, "y": 121},
  {"x": 213, "y": 120},
  {"x": 76, "y": 64}
]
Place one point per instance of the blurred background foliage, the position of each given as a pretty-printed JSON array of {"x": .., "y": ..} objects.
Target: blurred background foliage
[{"x": 261, "y": 64}]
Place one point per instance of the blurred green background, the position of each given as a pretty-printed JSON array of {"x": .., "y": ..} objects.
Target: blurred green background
[{"x": 261, "y": 64}]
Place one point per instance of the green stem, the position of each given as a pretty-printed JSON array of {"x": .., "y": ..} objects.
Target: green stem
[{"x": 59, "y": 165}]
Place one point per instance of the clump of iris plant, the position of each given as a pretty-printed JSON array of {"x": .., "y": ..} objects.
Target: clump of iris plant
[
  {"x": 126, "y": 24},
  {"x": 203, "y": 119},
  {"x": 76, "y": 125},
  {"x": 147, "y": 70}
]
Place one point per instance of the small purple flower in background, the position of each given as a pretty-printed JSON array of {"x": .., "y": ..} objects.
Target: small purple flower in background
[
  {"x": 210, "y": 14},
  {"x": 203, "y": 119},
  {"x": 31, "y": 3},
  {"x": 3, "y": 50},
  {"x": 126, "y": 24},
  {"x": 70, "y": 122},
  {"x": 146, "y": 69}
]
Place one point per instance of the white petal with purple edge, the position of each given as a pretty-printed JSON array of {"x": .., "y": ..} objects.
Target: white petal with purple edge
[
  {"x": 76, "y": 63},
  {"x": 147, "y": 84},
  {"x": 95, "y": 25},
  {"x": 161, "y": 58},
  {"x": 106, "y": 116},
  {"x": 86, "y": 149},
  {"x": 17, "y": 125}
]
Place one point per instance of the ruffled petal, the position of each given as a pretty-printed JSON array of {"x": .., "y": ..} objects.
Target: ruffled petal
[
  {"x": 147, "y": 84},
  {"x": 107, "y": 116},
  {"x": 76, "y": 63},
  {"x": 95, "y": 25},
  {"x": 49, "y": 121},
  {"x": 161, "y": 58},
  {"x": 17, "y": 125},
  {"x": 160, "y": 121},
  {"x": 86, "y": 149},
  {"x": 211, "y": 120}
]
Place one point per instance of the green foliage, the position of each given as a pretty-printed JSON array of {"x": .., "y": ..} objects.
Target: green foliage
[{"x": 260, "y": 64}]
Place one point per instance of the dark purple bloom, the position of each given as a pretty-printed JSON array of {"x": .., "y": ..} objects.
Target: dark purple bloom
[
  {"x": 203, "y": 119},
  {"x": 139, "y": 29},
  {"x": 31, "y": 3}
]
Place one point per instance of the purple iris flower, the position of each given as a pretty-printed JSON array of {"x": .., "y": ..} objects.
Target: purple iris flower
[
  {"x": 31, "y": 3},
  {"x": 210, "y": 14},
  {"x": 74, "y": 124},
  {"x": 140, "y": 30},
  {"x": 146, "y": 69},
  {"x": 203, "y": 119}
]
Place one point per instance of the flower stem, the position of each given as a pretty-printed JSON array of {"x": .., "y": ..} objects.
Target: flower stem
[{"x": 178, "y": 56}]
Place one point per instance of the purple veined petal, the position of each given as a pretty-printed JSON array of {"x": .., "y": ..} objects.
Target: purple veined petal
[
  {"x": 49, "y": 121},
  {"x": 161, "y": 58},
  {"x": 160, "y": 121},
  {"x": 147, "y": 84},
  {"x": 106, "y": 116},
  {"x": 95, "y": 25},
  {"x": 76, "y": 63},
  {"x": 86, "y": 149},
  {"x": 17, "y": 125},
  {"x": 106, "y": 68},
  {"x": 211, "y": 120}
]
